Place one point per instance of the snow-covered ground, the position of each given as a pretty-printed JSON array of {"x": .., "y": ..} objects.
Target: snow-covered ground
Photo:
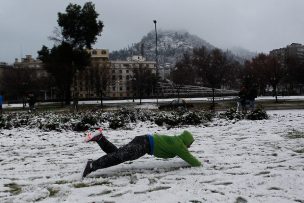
[{"x": 244, "y": 161}]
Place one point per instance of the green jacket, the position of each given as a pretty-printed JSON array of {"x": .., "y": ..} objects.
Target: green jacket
[{"x": 170, "y": 146}]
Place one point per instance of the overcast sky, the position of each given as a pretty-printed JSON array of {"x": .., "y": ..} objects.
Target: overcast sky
[{"x": 257, "y": 25}]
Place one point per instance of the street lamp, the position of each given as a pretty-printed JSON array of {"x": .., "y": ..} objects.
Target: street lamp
[{"x": 156, "y": 59}]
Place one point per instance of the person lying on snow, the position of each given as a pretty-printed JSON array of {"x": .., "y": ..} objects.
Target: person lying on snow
[{"x": 162, "y": 146}]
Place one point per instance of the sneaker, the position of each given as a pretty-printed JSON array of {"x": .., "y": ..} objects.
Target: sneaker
[
  {"x": 94, "y": 136},
  {"x": 88, "y": 168}
]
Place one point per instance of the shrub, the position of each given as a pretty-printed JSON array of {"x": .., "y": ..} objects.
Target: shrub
[
  {"x": 191, "y": 118},
  {"x": 171, "y": 119},
  {"x": 144, "y": 115},
  {"x": 80, "y": 126},
  {"x": 182, "y": 118},
  {"x": 257, "y": 114},
  {"x": 117, "y": 122},
  {"x": 51, "y": 126},
  {"x": 2, "y": 121},
  {"x": 85, "y": 120},
  {"x": 89, "y": 119},
  {"x": 295, "y": 134},
  {"x": 128, "y": 115},
  {"x": 232, "y": 114}
]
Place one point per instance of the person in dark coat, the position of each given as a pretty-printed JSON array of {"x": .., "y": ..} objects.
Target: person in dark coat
[
  {"x": 31, "y": 101},
  {"x": 252, "y": 94},
  {"x": 242, "y": 98},
  {"x": 1, "y": 102}
]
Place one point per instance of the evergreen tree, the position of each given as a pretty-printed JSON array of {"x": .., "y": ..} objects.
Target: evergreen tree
[{"x": 78, "y": 30}]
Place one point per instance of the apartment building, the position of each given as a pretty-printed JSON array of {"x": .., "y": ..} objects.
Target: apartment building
[
  {"x": 30, "y": 63},
  {"x": 113, "y": 79},
  {"x": 294, "y": 50},
  {"x": 122, "y": 75},
  {"x": 2, "y": 66}
]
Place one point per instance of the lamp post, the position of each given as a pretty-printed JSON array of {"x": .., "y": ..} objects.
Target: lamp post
[{"x": 156, "y": 59}]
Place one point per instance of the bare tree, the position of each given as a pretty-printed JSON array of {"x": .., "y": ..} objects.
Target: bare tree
[
  {"x": 143, "y": 81},
  {"x": 274, "y": 72},
  {"x": 17, "y": 82},
  {"x": 183, "y": 74},
  {"x": 212, "y": 67},
  {"x": 264, "y": 70},
  {"x": 101, "y": 78}
]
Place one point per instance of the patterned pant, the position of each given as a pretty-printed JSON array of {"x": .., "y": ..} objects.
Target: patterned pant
[{"x": 135, "y": 149}]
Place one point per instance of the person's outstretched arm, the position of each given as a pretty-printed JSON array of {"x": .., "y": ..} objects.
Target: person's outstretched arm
[{"x": 184, "y": 154}]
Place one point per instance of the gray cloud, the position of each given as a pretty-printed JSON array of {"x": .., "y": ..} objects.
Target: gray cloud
[{"x": 257, "y": 25}]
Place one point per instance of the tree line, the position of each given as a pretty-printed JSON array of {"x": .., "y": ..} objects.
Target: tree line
[
  {"x": 215, "y": 69},
  {"x": 78, "y": 28}
]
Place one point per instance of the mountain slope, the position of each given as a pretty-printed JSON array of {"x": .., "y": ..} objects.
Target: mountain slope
[{"x": 171, "y": 46}]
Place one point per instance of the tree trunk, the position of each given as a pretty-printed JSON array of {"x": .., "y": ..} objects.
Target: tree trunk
[
  {"x": 101, "y": 98},
  {"x": 62, "y": 97},
  {"x": 275, "y": 92},
  {"x": 67, "y": 96},
  {"x": 140, "y": 94},
  {"x": 213, "y": 95}
]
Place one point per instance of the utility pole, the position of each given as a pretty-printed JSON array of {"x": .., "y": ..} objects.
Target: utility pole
[{"x": 156, "y": 60}]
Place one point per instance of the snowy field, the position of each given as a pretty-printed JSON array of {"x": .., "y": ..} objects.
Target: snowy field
[{"x": 244, "y": 161}]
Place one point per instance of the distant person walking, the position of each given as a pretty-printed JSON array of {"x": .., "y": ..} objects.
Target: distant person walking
[
  {"x": 75, "y": 102},
  {"x": 242, "y": 99},
  {"x": 31, "y": 101},
  {"x": 1, "y": 102},
  {"x": 24, "y": 101},
  {"x": 252, "y": 94}
]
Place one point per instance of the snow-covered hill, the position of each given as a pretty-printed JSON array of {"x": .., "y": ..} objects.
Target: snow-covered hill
[
  {"x": 242, "y": 54},
  {"x": 171, "y": 46}
]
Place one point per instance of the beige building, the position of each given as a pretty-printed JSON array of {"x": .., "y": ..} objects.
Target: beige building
[
  {"x": 111, "y": 78},
  {"x": 88, "y": 82},
  {"x": 30, "y": 63},
  {"x": 122, "y": 75},
  {"x": 114, "y": 76}
]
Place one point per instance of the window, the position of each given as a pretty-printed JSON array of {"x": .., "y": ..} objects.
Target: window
[
  {"x": 127, "y": 77},
  {"x": 127, "y": 71},
  {"x": 120, "y": 88},
  {"x": 120, "y": 77},
  {"x": 113, "y": 71},
  {"x": 120, "y": 71},
  {"x": 113, "y": 77},
  {"x": 113, "y": 88},
  {"x": 94, "y": 52}
]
